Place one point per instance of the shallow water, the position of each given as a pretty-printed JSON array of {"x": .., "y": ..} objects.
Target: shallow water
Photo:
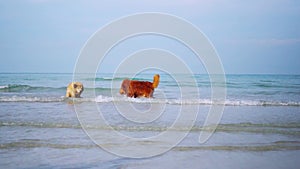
[{"x": 39, "y": 128}]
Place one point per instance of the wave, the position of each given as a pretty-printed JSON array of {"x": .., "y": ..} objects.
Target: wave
[
  {"x": 36, "y": 89},
  {"x": 105, "y": 99},
  {"x": 270, "y": 128},
  {"x": 99, "y": 79},
  {"x": 104, "y": 79},
  {"x": 42, "y": 144},
  {"x": 28, "y": 88},
  {"x": 275, "y": 86},
  {"x": 3, "y": 87},
  {"x": 220, "y": 127},
  {"x": 109, "y": 99},
  {"x": 273, "y": 146},
  {"x": 31, "y": 99},
  {"x": 39, "y": 124}
]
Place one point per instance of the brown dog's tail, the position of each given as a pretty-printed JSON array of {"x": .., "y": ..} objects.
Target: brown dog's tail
[{"x": 155, "y": 81}]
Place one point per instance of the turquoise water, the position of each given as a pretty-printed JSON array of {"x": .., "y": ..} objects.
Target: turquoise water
[
  {"x": 273, "y": 90},
  {"x": 260, "y": 126}
]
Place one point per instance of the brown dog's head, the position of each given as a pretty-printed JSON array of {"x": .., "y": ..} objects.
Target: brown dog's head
[{"x": 124, "y": 86}]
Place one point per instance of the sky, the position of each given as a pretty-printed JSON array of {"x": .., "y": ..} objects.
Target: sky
[{"x": 250, "y": 37}]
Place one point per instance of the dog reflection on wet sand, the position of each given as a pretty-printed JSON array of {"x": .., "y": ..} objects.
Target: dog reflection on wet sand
[{"x": 134, "y": 88}]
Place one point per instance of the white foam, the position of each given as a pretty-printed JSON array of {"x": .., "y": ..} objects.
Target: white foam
[
  {"x": 108, "y": 99},
  {"x": 29, "y": 99},
  {"x": 105, "y": 99},
  {"x": 4, "y": 87}
]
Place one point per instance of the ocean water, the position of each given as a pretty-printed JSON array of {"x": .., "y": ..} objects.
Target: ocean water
[{"x": 40, "y": 128}]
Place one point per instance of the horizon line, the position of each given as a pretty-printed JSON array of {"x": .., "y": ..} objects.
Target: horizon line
[{"x": 147, "y": 73}]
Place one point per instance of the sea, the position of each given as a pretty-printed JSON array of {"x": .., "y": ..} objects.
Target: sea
[{"x": 258, "y": 125}]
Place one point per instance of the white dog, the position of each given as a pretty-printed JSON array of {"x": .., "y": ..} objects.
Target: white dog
[{"x": 74, "y": 89}]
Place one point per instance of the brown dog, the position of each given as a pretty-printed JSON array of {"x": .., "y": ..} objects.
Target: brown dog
[
  {"x": 134, "y": 88},
  {"x": 74, "y": 89}
]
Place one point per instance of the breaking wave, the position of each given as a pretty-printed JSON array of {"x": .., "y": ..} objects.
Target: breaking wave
[
  {"x": 109, "y": 99},
  {"x": 105, "y": 99}
]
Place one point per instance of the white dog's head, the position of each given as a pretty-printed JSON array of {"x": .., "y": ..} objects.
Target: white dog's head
[{"x": 78, "y": 87}]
